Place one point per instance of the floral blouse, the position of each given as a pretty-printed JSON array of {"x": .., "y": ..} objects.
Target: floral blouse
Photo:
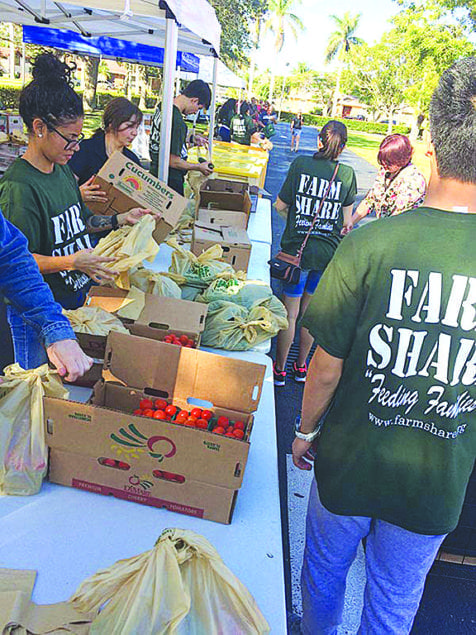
[{"x": 388, "y": 197}]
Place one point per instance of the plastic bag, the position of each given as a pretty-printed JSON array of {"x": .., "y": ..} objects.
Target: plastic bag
[
  {"x": 244, "y": 292},
  {"x": 23, "y": 451},
  {"x": 196, "y": 180},
  {"x": 154, "y": 282},
  {"x": 93, "y": 320},
  {"x": 180, "y": 587},
  {"x": 130, "y": 246},
  {"x": 235, "y": 328},
  {"x": 199, "y": 271}
]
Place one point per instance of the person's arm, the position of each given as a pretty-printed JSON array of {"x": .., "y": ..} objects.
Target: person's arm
[
  {"x": 321, "y": 383},
  {"x": 180, "y": 164},
  {"x": 348, "y": 219},
  {"x": 282, "y": 208},
  {"x": 23, "y": 285},
  {"x": 362, "y": 210}
]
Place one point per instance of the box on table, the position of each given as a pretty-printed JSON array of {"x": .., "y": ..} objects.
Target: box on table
[
  {"x": 102, "y": 447},
  {"x": 15, "y": 123},
  {"x": 128, "y": 185},
  {"x": 235, "y": 243},
  {"x": 225, "y": 218},
  {"x": 225, "y": 195}
]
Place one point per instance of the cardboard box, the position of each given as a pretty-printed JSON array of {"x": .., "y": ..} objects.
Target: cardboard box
[
  {"x": 223, "y": 218},
  {"x": 225, "y": 195},
  {"x": 235, "y": 243},
  {"x": 103, "y": 448},
  {"x": 15, "y": 123},
  {"x": 128, "y": 185}
]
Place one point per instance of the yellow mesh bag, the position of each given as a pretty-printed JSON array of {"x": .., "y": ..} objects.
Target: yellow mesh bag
[{"x": 180, "y": 587}]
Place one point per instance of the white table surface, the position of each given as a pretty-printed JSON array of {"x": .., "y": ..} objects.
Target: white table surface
[
  {"x": 67, "y": 534},
  {"x": 259, "y": 226}
]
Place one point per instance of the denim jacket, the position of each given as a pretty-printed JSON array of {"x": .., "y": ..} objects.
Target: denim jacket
[{"x": 22, "y": 284}]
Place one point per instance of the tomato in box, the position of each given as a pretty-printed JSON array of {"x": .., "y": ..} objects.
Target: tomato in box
[
  {"x": 146, "y": 404},
  {"x": 161, "y": 404},
  {"x": 160, "y": 414}
]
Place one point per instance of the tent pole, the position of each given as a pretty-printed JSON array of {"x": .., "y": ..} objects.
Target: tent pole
[
  {"x": 170, "y": 61},
  {"x": 213, "y": 108}
]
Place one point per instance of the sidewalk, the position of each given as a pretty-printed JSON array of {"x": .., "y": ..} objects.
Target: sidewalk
[{"x": 448, "y": 602}]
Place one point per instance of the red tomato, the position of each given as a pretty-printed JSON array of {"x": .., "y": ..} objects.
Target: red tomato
[
  {"x": 184, "y": 339},
  {"x": 168, "y": 339},
  {"x": 203, "y": 424},
  {"x": 149, "y": 412},
  {"x": 239, "y": 425},
  {"x": 137, "y": 412},
  {"x": 181, "y": 418},
  {"x": 223, "y": 422},
  {"x": 160, "y": 414},
  {"x": 238, "y": 434},
  {"x": 189, "y": 345},
  {"x": 191, "y": 422},
  {"x": 218, "y": 430},
  {"x": 171, "y": 410},
  {"x": 230, "y": 434},
  {"x": 196, "y": 412},
  {"x": 161, "y": 404},
  {"x": 178, "y": 343},
  {"x": 193, "y": 418},
  {"x": 229, "y": 429},
  {"x": 146, "y": 404},
  {"x": 207, "y": 415},
  {"x": 184, "y": 413}
]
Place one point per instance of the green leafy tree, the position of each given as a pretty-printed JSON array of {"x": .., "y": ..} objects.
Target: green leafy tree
[
  {"x": 340, "y": 44},
  {"x": 279, "y": 22},
  {"x": 238, "y": 22},
  {"x": 463, "y": 10}
]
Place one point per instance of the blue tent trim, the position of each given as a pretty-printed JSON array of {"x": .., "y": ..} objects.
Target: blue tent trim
[{"x": 106, "y": 47}]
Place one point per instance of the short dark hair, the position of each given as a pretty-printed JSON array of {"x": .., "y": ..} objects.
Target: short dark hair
[
  {"x": 199, "y": 89},
  {"x": 244, "y": 108},
  {"x": 395, "y": 151},
  {"x": 333, "y": 136},
  {"x": 453, "y": 121},
  {"x": 50, "y": 95},
  {"x": 119, "y": 110}
]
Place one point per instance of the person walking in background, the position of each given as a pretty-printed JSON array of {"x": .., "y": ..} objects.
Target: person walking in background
[
  {"x": 195, "y": 96},
  {"x": 298, "y": 203},
  {"x": 394, "y": 374},
  {"x": 296, "y": 127},
  {"x": 224, "y": 116},
  {"x": 399, "y": 184},
  {"x": 121, "y": 120},
  {"x": 22, "y": 284}
]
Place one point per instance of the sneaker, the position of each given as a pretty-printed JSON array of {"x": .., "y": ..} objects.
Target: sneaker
[
  {"x": 300, "y": 373},
  {"x": 279, "y": 376}
]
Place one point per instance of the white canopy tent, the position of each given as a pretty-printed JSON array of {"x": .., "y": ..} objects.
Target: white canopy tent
[
  {"x": 225, "y": 77},
  {"x": 184, "y": 25}
]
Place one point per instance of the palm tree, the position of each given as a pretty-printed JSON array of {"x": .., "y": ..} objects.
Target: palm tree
[
  {"x": 339, "y": 45},
  {"x": 280, "y": 20}
]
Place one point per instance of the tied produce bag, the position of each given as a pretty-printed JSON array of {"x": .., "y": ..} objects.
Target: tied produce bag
[
  {"x": 23, "y": 451},
  {"x": 200, "y": 271},
  {"x": 244, "y": 292},
  {"x": 195, "y": 180},
  {"x": 180, "y": 587},
  {"x": 154, "y": 282},
  {"x": 93, "y": 320},
  {"x": 235, "y": 328},
  {"x": 130, "y": 246}
]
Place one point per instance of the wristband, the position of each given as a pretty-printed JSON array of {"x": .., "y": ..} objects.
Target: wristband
[
  {"x": 114, "y": 221},
  {"x": 301, "y": 435}
]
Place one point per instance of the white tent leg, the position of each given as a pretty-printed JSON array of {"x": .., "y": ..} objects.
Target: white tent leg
[
  {"x": 170, "y": 61},
  {"x": 213, "y": 108}
]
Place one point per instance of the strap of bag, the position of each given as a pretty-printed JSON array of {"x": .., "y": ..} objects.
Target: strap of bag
[{"x": 314, "y": 220}]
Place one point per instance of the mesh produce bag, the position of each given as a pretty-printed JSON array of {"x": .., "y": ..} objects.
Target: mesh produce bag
[
  {"x": 93, "y": 320},
  {"x": 130, "y": 245},
  {"x": 235, "y": 328},
  {"x": 200, "y": 271},
  {"x": 180, "y": 587},
  {"x": 154, "y": 282},
  {"x": 23, "y": 451}
]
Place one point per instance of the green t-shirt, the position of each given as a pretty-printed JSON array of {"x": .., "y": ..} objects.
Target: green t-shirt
[
  {"x": 49, "y": 210},
  {"x": 305, "y": 185},
  {"x": 178, "y": 144},
  {"x": 397, "y": 303},
  {"x": 241, "y": 129}
]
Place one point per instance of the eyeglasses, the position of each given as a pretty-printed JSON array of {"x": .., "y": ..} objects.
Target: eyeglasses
[{"x": 70, "y": 143}]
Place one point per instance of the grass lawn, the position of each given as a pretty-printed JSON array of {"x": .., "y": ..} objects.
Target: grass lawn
[{"x": 367, "y": 145}]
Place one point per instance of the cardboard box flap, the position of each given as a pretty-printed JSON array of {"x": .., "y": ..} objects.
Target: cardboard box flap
[
  {"x": 224, "y": 185},
  {"x": 183, "y": 372},
  {"x": 155, "y": 311},
  {"x": 235, "y": 236}
]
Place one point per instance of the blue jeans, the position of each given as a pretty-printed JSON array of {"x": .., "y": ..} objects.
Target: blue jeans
[
  {"x": 397, "y": 562},
  {"x": 29, "y": 349}
]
